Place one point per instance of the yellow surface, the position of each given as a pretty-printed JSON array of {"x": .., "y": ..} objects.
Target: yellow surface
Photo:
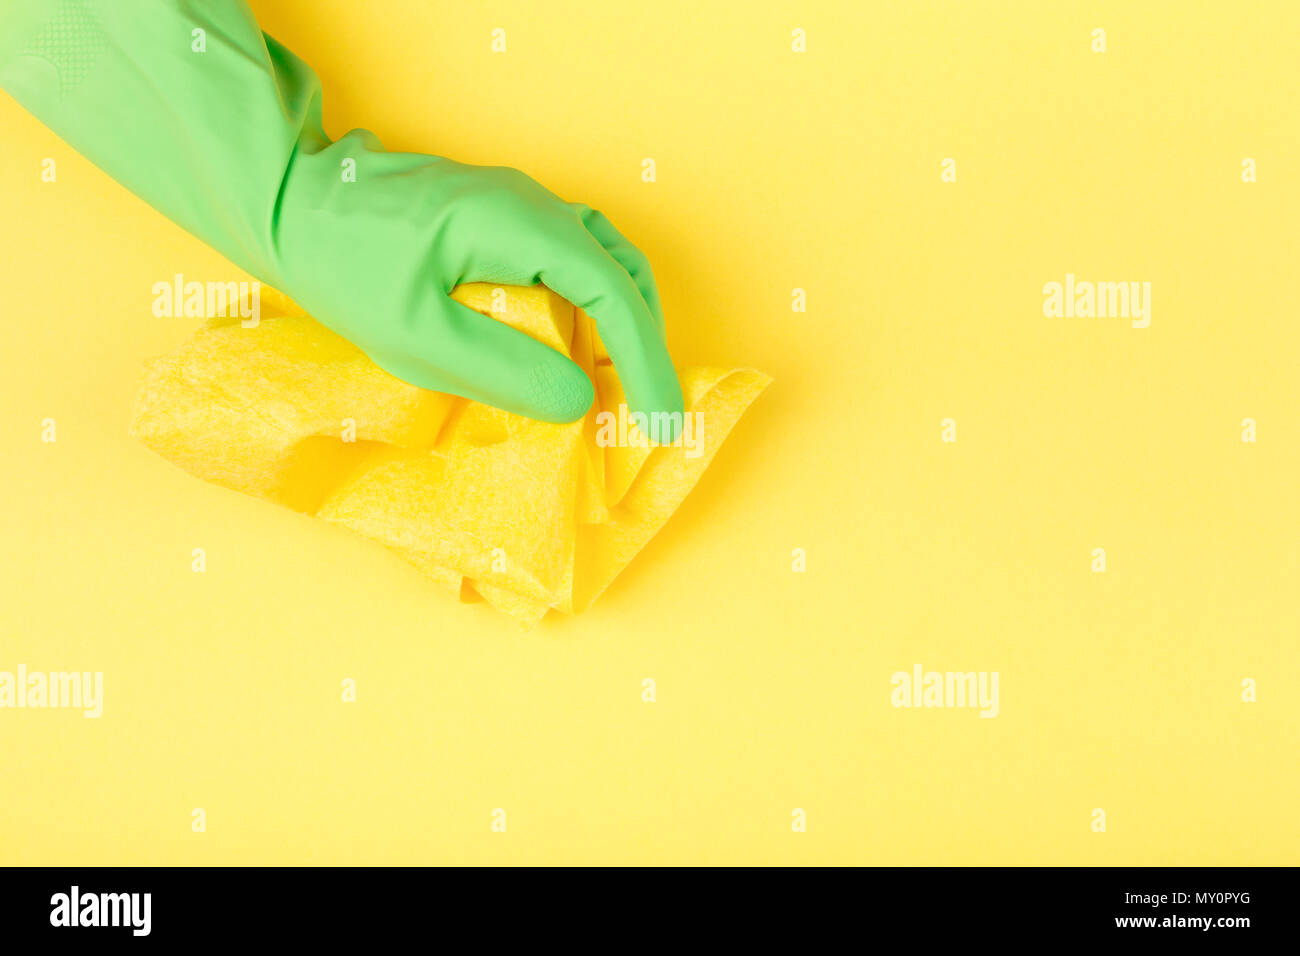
[{"x": 775, "y": 171}]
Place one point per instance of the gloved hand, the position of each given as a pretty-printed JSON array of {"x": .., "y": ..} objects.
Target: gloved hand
[{"x": 191, "y": 107}]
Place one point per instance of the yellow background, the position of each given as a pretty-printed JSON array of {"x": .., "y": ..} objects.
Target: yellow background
[{"x": 776, "y": 170}]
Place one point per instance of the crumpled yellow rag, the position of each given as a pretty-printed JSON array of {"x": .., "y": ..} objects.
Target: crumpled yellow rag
[{"x": 527, "y": 515}]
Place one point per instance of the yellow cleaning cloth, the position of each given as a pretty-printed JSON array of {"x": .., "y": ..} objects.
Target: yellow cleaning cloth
[{"x": 527, "y": 515}]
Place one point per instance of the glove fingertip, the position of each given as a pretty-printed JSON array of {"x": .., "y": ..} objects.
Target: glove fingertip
[
  {"x": 664, "y": 409},
  {"x": 559, "y": 392}
]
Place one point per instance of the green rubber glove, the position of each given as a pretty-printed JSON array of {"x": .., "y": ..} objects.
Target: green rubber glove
[{"x": 191, "y": 107}]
